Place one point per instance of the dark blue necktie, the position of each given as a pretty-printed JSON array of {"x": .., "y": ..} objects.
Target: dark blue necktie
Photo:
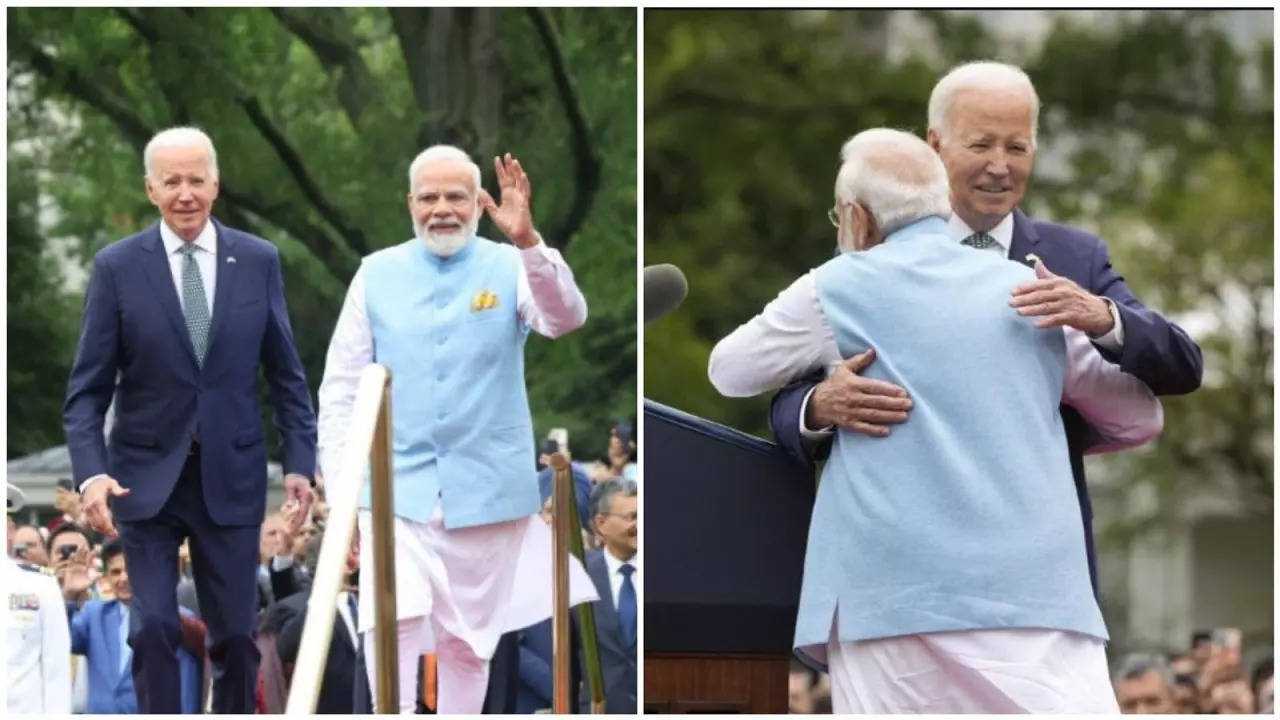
[{"x": 627, "y": 606}]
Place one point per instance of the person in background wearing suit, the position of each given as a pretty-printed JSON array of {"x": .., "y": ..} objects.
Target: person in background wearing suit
[
  {"x": 99, "y": 631},
  {"x": 178, "y": 321},
  {"x": 945, "y": 567},
  {"x": 983, "y": 118},
  {"x": 615, "y": 569},
  {"x": 344, "y": 688}
]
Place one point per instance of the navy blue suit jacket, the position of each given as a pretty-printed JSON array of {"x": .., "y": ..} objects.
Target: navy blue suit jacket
[
  {"x": 617, "y": 658},
  {"x": 1155, "y": 350},
  {"x": 134, "y": 345}
]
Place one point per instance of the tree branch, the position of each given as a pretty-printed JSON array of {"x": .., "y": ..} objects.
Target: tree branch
[
  {"x": 587, "y": 162},
  {"x": 138, "y": 132},
  {"x": 275, "y": 137},
  {"x": 328, "y": 35}
]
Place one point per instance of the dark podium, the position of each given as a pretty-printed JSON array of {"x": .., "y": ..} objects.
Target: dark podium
[{"x": 726, "y": 521}]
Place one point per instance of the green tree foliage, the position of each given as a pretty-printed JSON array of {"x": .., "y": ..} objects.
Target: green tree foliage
[
  {"x": 316, "y": 114},
  {"x": 1156, "y": 132}
]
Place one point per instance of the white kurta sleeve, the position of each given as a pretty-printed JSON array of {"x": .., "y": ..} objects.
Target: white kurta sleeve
[
  {"x": 789, "y": 338},
  {"x": 547, "y": 297},
  {"x": 55, "y": 651},
  {"x": 350, "y": 350},
  {"x": 1118, "y": 404}
]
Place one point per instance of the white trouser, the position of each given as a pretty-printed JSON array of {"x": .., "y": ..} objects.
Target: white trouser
[
  {"x": 455, "y": 596},
  {"x": 973, "y": 671}
]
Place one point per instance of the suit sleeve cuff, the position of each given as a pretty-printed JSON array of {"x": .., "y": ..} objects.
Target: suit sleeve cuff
[
  {"x": 805, "y": 432},
  {"x": 85, "y": 485},
  {"x": 1113, "y": 339}
]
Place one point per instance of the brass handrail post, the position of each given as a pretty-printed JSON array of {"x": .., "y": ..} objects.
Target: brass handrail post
[
  {"x": 384, "y": 566},
  {"x": 370, "y": 416},
  {"x": 561, "y": 507}
]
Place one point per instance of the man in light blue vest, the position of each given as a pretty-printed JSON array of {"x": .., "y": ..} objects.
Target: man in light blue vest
[
  {"x": 448, "y": 312},
  {"x": 945, "y": 569}
]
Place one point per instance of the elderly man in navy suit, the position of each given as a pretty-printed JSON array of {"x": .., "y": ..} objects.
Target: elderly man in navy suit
[
  {"x": 982, "y": 122},
  {"x": 178, "y": 321}
]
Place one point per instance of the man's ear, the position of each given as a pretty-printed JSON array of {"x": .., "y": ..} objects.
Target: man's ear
[{"x": 934, "y": 139}]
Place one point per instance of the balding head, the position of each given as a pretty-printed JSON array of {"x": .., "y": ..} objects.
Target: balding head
[
  {"x": 980, "y": 77},
  {"x": 894, "y": 175}
]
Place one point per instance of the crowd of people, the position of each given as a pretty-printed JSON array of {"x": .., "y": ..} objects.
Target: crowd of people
[
  {"x": 93, "y": 586},
  {"x": 1209, "y": 677}
]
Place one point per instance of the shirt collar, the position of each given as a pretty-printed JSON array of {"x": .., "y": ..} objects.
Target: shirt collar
[
  {"x": 206, "y": 240},
  {"x": 612, "y": 563},
  {"x": 1002, "y": 233}
]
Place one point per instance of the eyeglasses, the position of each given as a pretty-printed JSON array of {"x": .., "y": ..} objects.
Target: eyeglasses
[{"x": 834, "y": 215}]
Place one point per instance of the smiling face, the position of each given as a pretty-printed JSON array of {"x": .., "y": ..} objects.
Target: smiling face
[
  {"x": 182, "y": 185},
  {"x": 987, "y": 150},
  {"x": 443, "y": 205}
]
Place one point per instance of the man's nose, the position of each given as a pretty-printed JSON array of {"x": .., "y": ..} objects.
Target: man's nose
[{"x": 998, "y": 164}]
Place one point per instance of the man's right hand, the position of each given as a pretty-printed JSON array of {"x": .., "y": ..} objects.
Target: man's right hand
[
  {"x": 96, "y": 511},
  {"x": 855, "y": 403}
]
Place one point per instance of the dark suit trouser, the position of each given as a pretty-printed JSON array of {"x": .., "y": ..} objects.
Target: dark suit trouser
[{"x": 224, "y": 561}]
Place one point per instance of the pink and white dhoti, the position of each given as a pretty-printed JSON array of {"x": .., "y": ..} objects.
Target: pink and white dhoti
[
  {"x": 457, "y": 592},
  {"x": 1027, "y": 670}
]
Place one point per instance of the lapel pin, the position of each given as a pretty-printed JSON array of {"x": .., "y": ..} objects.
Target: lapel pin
[{"x": 230, "y": 260}]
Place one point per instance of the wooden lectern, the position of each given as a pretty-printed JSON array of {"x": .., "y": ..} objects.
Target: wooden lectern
[{"x": 726, "y": 521}]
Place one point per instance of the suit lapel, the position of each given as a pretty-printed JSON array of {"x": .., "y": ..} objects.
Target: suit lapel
[
  {"x": 225, "y": 268},
  {"x": 1025, "y": 238},
  {"x": 156, "y": 267}
]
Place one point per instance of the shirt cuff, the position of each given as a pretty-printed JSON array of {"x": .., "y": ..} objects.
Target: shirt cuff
[
  {"x": 537, "y": 250},
  {"x": 805, "y": 432},
  {"x": 85, "y": 485},
  {"x": 1113, "y": 339}
]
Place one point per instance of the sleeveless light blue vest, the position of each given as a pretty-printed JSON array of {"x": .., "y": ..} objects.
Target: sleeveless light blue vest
[
  {"x": 449, "y": 331},
  {"x": 965, "y": 516}
]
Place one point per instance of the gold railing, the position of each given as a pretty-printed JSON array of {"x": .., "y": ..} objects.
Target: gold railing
[
  {"x": 567, "y": 538},
  {"x": 368, "y": 442}
]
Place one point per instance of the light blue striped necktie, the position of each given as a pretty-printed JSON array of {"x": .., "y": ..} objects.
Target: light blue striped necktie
[{"x": 195, "y": 306}]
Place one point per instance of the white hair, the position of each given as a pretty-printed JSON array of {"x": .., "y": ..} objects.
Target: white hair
[
  {"x": 895, "y": 175},
  {"x": 438, "y": 153},
  {"x": 179, "y": 137},
  {"x": 984, "y": 75}
]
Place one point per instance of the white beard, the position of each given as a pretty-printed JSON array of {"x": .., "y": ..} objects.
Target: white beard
[{"x": 446, "y": 244}]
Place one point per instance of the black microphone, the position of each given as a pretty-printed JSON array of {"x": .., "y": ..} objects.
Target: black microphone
[{"x": 664, "y": 290}]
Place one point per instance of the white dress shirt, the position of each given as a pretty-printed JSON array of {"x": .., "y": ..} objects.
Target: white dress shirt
[
  {"x": 792, "y": 337},
  {"x": 547, "y": 300},
  {"x": 614, "y": 566},
  {"x": 206, "y": 259}
]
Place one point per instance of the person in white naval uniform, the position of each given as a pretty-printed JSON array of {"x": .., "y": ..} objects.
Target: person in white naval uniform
[
  {"x": 448, "y": 313},
  {"x": 38, "y": 640}
]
